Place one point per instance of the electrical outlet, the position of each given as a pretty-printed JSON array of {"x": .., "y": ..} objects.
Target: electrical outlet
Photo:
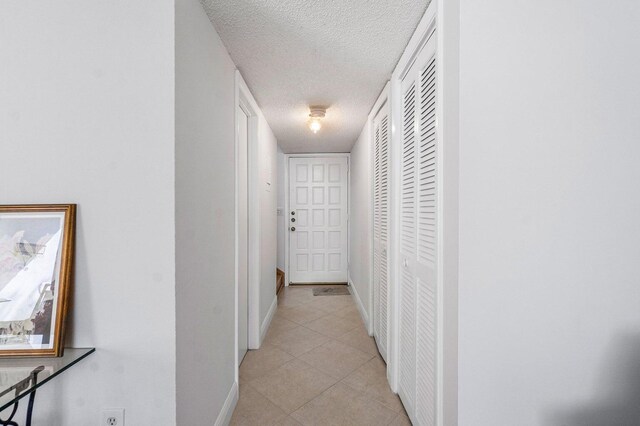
[{"x": 113, "y": 417}]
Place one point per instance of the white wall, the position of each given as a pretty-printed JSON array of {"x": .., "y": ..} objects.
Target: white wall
[
  {"x": 205, "y": 217},
  {"x": 205, "y": 170},
  {"x": 549, "y": 208},
  {"x": 87, "y": 117},
  {"x": 268, "y": 188},
  {"x": 360, "y": 233},
  {"x": 282, "y": 219}
]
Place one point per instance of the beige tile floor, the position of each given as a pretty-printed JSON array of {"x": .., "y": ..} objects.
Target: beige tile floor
[{"x": 317, "y": 366}]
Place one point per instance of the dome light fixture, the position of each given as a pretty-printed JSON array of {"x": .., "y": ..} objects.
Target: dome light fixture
[{"x": 316, "y": 113}]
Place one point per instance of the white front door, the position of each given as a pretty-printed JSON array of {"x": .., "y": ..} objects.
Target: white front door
[
  {"x": 243, "y": 233},
  {"x": 318, "y": 220}
]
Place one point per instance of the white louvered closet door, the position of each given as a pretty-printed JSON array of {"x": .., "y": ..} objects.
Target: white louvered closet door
[
  {"x": 418, "y": 244},
  {"x": 381, "y": 133}
]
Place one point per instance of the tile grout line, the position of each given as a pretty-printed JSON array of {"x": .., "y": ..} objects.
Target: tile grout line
[{"x": 338, "y": 313}]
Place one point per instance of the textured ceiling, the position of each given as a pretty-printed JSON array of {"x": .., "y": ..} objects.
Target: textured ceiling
[{"x": 297, "y": 53}]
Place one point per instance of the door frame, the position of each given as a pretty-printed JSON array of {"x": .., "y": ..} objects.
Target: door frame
[
  {"x": 286, "y": 204},
  {"x": 245, "y": 101}
]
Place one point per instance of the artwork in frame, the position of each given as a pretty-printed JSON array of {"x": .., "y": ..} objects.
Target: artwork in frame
[{"x": 36, "y": 274}]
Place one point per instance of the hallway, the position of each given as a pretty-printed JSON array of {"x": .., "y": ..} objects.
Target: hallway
[{"x": 317, "y": 366}]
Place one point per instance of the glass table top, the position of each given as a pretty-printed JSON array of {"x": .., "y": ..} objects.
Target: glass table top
[{"x": 21, "y": 376}]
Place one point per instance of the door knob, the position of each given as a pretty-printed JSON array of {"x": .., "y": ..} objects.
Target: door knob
[
  {"x": 405, "y": 263},
  {"x": 293, "y": 213},
  {"x": 293, "y": 219},
  {"x": 293, "y": 228}
]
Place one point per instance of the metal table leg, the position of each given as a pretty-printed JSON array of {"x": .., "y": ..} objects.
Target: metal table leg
[{"x": 33, "y": 378}]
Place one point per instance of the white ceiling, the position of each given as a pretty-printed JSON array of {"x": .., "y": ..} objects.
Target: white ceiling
[{"x": 296, "y": 53}]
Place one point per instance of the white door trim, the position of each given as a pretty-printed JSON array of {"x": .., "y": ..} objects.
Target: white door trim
[
  {"x": 245, "y": 101},
  {"x": 287, "y": 210},
  {"x": 242, "y": 239},
  {"x": 448, "y": 116}
]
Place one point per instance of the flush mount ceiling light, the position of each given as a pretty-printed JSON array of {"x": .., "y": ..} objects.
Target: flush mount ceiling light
[{"x": 316, "y": 114}]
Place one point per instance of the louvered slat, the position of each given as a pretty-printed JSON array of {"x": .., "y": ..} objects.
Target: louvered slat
[
  {"x": 408, "y": 193},
  {"x": 427, "y": 168},
  {"x": 380, "y": 267},
  {"x": 426, "y": 332},
  {"x": 407, "y": 376},
  {"x": 384, "y": 179},
  {"x": 383, "y": 217},
  {"x": 425, "y": 354},
  {"x": 376, "y": 228}
]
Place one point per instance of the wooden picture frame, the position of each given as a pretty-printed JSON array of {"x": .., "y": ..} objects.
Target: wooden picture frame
[{"x": 37, "y": 245}]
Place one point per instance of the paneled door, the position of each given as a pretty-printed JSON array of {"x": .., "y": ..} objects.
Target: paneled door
[
  {"x": 381, "y": 134},
  {"x": 318, "y": 220},
  {"x": 417, "y": 384}
]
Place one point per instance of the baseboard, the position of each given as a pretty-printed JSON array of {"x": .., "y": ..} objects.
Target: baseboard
[
  {"x": 267, "y": 321},
  {"x": 361, "y": 309},
  {"x": 224, "y": 418}
]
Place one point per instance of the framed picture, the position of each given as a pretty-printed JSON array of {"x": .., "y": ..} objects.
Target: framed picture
[{"x": 36, "y": 273}]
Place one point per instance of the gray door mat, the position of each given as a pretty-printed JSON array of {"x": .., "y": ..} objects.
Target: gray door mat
[
  {"x": 316, "y": 284},
  {"x": 331, "y": 291}
]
